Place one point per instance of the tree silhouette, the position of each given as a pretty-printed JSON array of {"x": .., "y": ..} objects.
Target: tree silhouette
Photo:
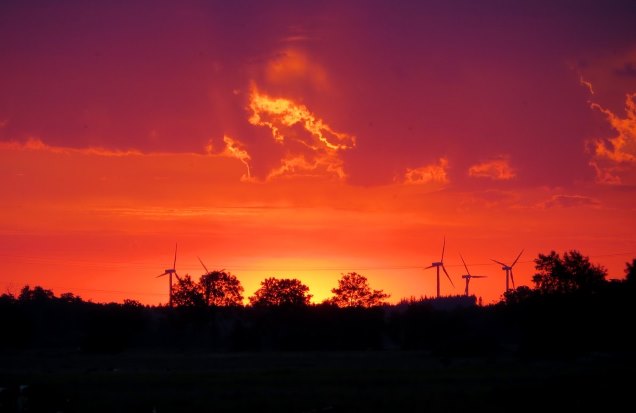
[
  {"x": 70, "y": 298},
  {"x": 221, "y": 289},
  {"x": 354, "y": 291},
  {"x": 132, "y": 303},
  {"x": 36, "y": 293},
  {"x": 281, "y": 292},
  {"x": 518, "y": 295},
  {"x": 573, "y": 272},
  {"x": 630, "y": 272},
  {"x": 186, "y": 293}
]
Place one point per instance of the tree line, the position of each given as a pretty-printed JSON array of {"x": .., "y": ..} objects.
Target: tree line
[
  {"x": 571, "y": 307},
  {"x": 223, "y": 289},
  {"x": 556, "y": 274}
]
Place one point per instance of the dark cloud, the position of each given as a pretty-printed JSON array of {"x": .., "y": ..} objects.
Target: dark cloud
[{"x": 628, "y": 69}]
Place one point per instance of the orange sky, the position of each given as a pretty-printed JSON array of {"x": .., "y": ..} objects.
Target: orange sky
[{"x": 323, "y": 142}]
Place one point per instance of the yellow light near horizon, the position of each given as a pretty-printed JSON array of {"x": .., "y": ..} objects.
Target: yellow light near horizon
[{"x": 318, "y": 274}]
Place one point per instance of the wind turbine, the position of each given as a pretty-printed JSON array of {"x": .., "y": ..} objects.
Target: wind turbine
[
  {"x": 169, "y": 273},
  {"x": 508, "y": 269},
  {"x": 204, "y": 267},
  {"x": 468, "y": 276},
  {"x": 438, "y": 264}
]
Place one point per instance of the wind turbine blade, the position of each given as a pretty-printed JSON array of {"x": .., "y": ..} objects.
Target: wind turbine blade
[
  {"x": 177, "y": 275},
  {"x": 430, "y": 266},
  {"x": 204, "y": 267},
  {"x": 499, "y": 262},
  {"x": 512, "y": 278},
  {"x": 478, "y": 276},
  {"x": 460, "y": 256},
  {"x": 513, "y": 264},
  {"x": 448, "y": 276},
  {"x": 443, "y": 248},
  {"x": 174, "y": 264},
  {"x": 161, "y": 275}
]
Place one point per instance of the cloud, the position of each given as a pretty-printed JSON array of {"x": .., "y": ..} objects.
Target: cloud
[
  {"x": 607, "y": 174},
  {"x": 613, "y": 156},
  {"x": 293, "y": 65},
  {"x": 498, "y": 169},
  {"x": 300, "y": 166},
  {"x": 433, "y": 173},
  {"x": 569, "y": 201},
  {"x": 628, "y": 70},
  {"x": 587, "y": 84},
  {"x": 279, "y": 112},
  {"x": 36, "y": 144},
  {"x": 621, "y": 148},
  {"x": 235, "y": 149},
  {"x": 312, "y": 146}
]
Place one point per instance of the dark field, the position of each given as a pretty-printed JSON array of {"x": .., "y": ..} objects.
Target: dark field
[
  {"x": 535, "y": 352},
  {"x": 311, "y": 382}
]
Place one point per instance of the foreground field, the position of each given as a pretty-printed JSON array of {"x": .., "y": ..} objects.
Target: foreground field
[{"x": 309, "y": 382}]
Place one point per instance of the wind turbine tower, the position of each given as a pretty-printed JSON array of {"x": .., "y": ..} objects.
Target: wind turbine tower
[
  {"x": 508, "y": 270},
  {"x": 439, "y": 264},
  {"x": 169, "y": 273},
  {"x": 468, "y": 276}
]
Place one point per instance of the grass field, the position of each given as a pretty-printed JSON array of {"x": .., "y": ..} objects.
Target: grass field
[{"x": 309, "y": 382}]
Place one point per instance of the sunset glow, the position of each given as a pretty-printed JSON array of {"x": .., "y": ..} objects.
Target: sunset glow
[{"x": 307, "y": 140}]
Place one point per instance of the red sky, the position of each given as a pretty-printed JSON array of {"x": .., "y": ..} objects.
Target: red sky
[{"x": 308, "y": 139}]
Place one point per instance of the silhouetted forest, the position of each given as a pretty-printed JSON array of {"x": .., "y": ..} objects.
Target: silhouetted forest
[{"x": 571, "y": 313}]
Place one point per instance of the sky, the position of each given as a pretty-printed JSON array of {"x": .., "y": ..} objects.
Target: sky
[{"x": 302, "y": 139}]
